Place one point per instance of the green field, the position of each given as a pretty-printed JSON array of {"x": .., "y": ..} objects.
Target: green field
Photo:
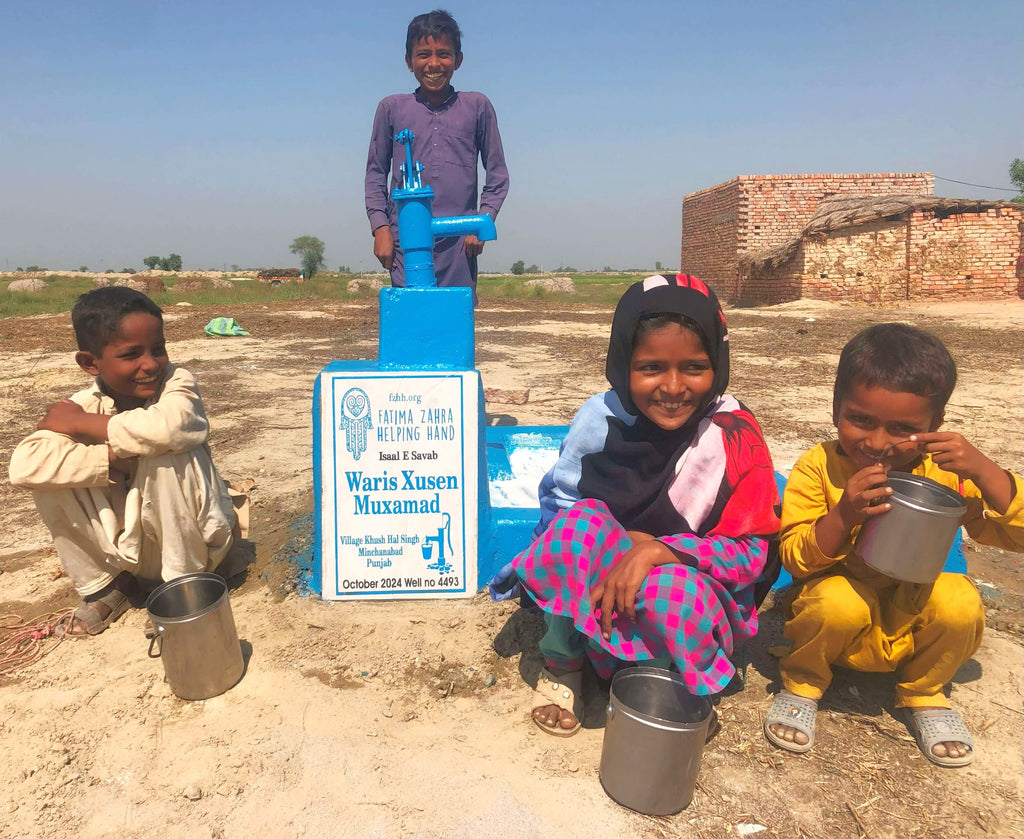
[{"x": 62, "y": 291}]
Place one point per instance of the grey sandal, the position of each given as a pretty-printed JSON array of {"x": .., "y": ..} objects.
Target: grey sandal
[
  {"x": 794, "y": 711},
  {"x": 941, "y": 725}
]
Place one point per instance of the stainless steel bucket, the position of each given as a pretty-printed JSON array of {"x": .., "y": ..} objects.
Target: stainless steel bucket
[
  {"x": 653, "y": 741},
  {"x": 196, "y": 633},
  {"x": 911, "y": 541}
]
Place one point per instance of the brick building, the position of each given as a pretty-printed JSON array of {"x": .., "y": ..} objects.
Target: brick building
[{"x": 869, "y": 238}]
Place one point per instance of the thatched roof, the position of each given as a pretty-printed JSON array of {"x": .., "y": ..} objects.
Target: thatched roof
[
  {"x": 768, "y": 259},
  {"x": 841, "y": 212}
]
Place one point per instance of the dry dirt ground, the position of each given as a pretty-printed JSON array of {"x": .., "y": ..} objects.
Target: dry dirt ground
[{"x": 410, "y": 718}]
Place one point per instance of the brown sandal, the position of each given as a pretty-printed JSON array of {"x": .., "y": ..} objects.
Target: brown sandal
[{"x": 97, "y": 612}]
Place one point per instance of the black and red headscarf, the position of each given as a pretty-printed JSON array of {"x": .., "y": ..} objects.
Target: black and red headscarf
[{"x": 634, "y": 469}]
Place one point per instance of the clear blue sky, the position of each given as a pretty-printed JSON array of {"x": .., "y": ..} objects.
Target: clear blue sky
[{"x": 223, "y": 130}]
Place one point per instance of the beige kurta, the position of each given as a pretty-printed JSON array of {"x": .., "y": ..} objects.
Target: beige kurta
[{"x": 171, "y": 516}]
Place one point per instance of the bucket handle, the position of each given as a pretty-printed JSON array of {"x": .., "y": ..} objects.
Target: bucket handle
[{"x": 156, "y": 638}]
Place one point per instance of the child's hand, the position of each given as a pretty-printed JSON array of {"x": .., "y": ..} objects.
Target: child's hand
[
  {"x": 953, "y": 453},
  {"x": 862, "y": 495},
  {"x": 124, "y": 465},
  {"x": 384, "y": 246},
  {"x": 67, "y": 417},
  {"x": 62, "y": 417},
  {"x": 858, "y": 501},
  {"x": 616, "y": 591}
]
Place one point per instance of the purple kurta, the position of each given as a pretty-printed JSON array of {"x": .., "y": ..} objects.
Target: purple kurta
[{"x": 448, "y": 140}]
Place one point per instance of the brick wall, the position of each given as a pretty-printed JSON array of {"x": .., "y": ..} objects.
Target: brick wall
[
  {"x": 969, "y": 255},
  {"x": 867, "y": 263},
  {"x": 752, "y": 212},
  {"x": 925, "y": 257},
  {"x": 778, "y": 286},
  {"x": 711, "y": 226},
  {"x": 779, "y": 206}
]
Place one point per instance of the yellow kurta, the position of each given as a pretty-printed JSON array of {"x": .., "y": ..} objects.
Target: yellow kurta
[{"x": 845, "y": 613}]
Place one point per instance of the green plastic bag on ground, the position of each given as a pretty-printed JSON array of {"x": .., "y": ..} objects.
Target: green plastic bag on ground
[{"x": 224, "y": 328}]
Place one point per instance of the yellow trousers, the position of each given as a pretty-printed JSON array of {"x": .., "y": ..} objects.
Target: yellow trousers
[{"x": 923, "y": 632}]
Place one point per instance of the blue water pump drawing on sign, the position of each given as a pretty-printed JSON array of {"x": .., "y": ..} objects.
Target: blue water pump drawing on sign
[{"x": 442, "y": 566}]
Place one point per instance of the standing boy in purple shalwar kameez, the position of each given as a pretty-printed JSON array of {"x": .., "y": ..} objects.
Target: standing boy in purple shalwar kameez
[{"x": 451, "y": 129}]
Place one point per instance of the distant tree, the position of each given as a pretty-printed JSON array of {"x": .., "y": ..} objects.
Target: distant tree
[
  {"x": 518, "y": 267},
  {"x": 657, "y": 265},
  {"x": 83, "y": 268},
  {"x": 533, "y": 269},
  {"x": 127, "y": 270},
  {"x": 171, "y": 262},
  {"x": 1017, "y": 177},
  {"x": 234, "y": 268},
  {"x": 567, "y": 269},
  {"x": 33, "y": 268},
  {"x": 19, "y": 270},
  {"x": 151, "y": 261},
  {"x": 110, "y": 271},
  {"x": 344, "y": 269},
  {"x": 311, "y": 254},
  {"x": 608, "y": 269}
]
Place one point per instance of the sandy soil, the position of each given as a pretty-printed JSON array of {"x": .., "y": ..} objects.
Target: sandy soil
[{"x": 410, "y": 718}]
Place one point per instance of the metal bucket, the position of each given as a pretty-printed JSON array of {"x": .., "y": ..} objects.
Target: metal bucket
[
  {"x": 910, "y": 542},
  {"x": 196, "y": 633},
  {"x": 653, "y": 741}
]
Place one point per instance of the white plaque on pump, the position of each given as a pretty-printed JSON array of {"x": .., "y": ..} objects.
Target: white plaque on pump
[{"x": 399, "y": 496}]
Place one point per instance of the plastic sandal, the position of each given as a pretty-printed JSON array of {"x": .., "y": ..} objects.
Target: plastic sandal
[
  {"x": 565, "y": 691},
  {"x": 797, "y": 712},
  {"x": 941, "y": 725}
]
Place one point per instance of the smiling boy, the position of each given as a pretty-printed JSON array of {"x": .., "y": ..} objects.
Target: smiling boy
[
  {"x": 120, "y": 472},
  {"x": 891, "y": 389},
  {"x": 452, "y": 129}
]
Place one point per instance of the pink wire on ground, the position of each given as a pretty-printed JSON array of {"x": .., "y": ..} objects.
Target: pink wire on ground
[{"x": 21, "y": 642}]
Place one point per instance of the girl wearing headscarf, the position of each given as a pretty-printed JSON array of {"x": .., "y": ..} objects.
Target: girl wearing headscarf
[{"x": 657, "y": 519}]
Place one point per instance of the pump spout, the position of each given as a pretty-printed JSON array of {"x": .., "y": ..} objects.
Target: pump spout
[{"x": 481, "y": 225}]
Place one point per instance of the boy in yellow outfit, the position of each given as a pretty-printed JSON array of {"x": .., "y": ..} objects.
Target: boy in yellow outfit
[{"x": 891, "y": 389}]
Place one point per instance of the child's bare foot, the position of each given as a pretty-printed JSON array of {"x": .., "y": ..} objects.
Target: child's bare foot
[
  {"x": 557, "y": 702},
  {"x": 98, "y": 611},
  {"x": 551, "y": 716},
  {"x": 790, "y": 722},
  {"x": 942, "y": 736}
]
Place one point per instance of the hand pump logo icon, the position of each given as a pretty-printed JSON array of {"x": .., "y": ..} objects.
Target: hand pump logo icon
[{"x": 355, "y": 420}]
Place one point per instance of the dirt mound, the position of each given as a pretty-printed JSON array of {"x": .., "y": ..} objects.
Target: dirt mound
[
  {"x": 139, "y": 282},
  {"x": 364, "y": 284},
  {"x": 562, "y": 284},
  {"x": 192, "y": 285},
  {"x": 27, "y": 285}
]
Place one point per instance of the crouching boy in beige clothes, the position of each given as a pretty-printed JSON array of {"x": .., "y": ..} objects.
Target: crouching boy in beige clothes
[{"x": 120, "y": 472}]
